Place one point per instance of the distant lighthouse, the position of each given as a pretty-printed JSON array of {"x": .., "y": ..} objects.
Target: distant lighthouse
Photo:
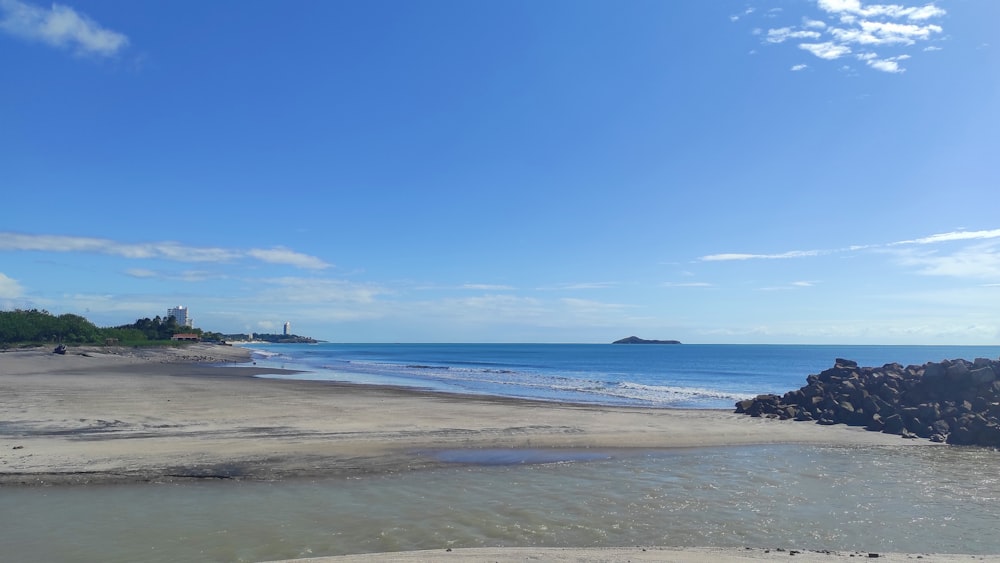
[{"x": 288, "y": 329}]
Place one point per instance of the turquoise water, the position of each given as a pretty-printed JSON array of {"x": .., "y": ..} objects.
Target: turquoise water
[
  {"x": 679, "y": 376},
  {"x": 916, "y": 499}
]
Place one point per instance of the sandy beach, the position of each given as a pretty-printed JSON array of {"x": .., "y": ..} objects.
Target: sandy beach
[{"x": 104, "y": 416}]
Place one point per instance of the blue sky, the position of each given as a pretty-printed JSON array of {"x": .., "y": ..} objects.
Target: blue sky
[{"x": 508, "y": 171}]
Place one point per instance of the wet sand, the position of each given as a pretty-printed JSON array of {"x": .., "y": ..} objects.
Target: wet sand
[
  {"x": 129, "y": 415},
  {"x": 641, "y": 554}
]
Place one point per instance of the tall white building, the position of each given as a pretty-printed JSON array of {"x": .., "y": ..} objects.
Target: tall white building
[
  {"x": 288, "y": 329},
  {"x": 180, "y": 313}
]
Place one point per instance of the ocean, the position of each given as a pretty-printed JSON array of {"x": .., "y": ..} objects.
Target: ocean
[
  {"x": 649, "y": 375},
  {"x": 895, "y": 498}
]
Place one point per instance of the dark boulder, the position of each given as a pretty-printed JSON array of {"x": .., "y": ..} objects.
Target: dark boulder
[{"x": 953, "y": 401}]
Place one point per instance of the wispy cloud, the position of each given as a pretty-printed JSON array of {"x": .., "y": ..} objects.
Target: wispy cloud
[
  {"x": 688, "y": 284},
  {"x": 291, "y": 289},
  {"x": 184, "y": 276},
  {"x": 487, "y": 287},
  {"x": 853, "y": 24},
  {"x": 59, "y": 26},
  {"x": 736, "y": 17},
  {"x": 980, "y": 261},
  {"x": 952, "y": 236},
  {"x": 796, "y": 68},
  {"x": 782, "y": 256},
  {"x": 578, "y": 286},
  {"x": 976, "y": 261},
  {"x": 282, "y": 255},
  {"x": 932, "y": 239},
  {"x": 172, "y": 251},
  {"x": 782, "y": 34}
]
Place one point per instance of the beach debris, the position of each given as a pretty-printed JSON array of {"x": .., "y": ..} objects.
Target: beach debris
[
  {"x": 60, "y": 349},
  {"x": 953, "y": 401}
]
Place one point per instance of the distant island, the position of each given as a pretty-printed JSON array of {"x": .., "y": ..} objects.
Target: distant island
[{"x": 637, "y": 340}]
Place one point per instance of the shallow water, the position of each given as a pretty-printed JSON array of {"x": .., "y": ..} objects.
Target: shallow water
[{"x": 913, "y": 499}]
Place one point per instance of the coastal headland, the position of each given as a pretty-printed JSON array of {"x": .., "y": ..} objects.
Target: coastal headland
[{"x": 99, "y": 415}]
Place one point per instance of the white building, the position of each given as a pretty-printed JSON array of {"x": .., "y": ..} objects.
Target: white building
[
  {"x": 288, "y": 329},
  {"x": 180, "y": 313}
]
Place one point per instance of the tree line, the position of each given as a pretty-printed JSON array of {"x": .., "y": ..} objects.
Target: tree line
[{"x": 35, "y": 326}]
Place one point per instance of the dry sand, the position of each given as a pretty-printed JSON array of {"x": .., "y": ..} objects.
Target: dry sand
[
  {"x": 159, "y": 415},
  {"x": 99, "y": 415}
]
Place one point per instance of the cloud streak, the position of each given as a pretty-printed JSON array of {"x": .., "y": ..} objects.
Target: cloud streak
[
  {"x": 782, "y": 256},
  {"x": 61, "y": 27},
  {"x": 980, "y": 261},
  {"x": 932, "y": 239},
  {"x": 171, "y": 251}
]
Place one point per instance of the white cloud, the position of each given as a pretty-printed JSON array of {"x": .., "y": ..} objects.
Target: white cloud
[
  {"x": 688, "y": 284},
  {"x": 856, "y": 23},
  {"x": 856, "y": 8},
  {"x": 746, "y": 12},
  {"x": 952, "y": 236},
  {"x": 782, "y": 34},
  {"x": 931, "y": 48},
  {"x": 59, "y": 26},
  {"x": 885, "y": 65},
  {"x": 981, "y": 261},
  {"x": 827, "y": 50},
  {"x": 142, "y": 273},
  {"x": 156, "y": 250},
  {"x": 9, "y": 288},
  {"x": 781, "y": 256},
  {"x": 932, "y": 239},
  {"x": 797, "y": 68},
  {"x": 281, "y": 255}
]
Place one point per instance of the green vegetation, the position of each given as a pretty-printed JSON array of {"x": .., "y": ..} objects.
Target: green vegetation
[
  {"x": 26, "y": 327},
  {"x": 272, "y": 338}
]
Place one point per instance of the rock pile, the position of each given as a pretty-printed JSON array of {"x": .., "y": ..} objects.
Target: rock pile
[{"x": 953, "y": 401}]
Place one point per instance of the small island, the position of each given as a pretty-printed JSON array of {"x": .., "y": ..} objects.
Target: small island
[{"x": 637, "y": 340}]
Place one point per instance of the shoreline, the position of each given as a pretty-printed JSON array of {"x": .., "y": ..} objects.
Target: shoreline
[
  {"x": 140, "y": 415},
  {"x": 658, "y": 554}
]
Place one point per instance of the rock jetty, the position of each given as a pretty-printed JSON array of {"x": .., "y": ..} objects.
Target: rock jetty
[{"x": 953, "y": 401}]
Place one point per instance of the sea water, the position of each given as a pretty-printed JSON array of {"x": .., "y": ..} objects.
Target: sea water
[
  {"x": 923, "y": 499},
  {"x": 653, "y": 375}
]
